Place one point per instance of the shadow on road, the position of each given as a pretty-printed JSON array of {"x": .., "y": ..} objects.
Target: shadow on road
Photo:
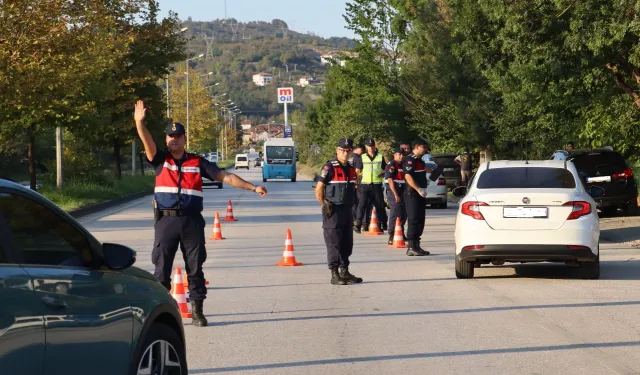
[
  {"x": 609, "y": 270},
  {"x": 527, "y": 349}
]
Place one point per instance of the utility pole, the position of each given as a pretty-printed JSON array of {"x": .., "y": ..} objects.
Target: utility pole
[{"x": 59, "y": 157}]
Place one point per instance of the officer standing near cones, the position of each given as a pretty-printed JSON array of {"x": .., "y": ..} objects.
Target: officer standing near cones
[
  {"x": 394, "y": 175},
  {"x": 370, "y": 188},
  {"x": 178, "y": 201},
  {"x": 335, "y": 192},
  {"x": 415, "y": 174}
]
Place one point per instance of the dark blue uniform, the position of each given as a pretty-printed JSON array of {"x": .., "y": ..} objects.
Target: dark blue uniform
[
  {"x": 178, "y": 197},
  {"x": 394, "y": 171},
  {"x": 414, "y": 202}
]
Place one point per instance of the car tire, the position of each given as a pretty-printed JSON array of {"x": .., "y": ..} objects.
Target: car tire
[
  {"x": 590, "y": 270},
  {"x": 609, "y": 211},
  {"x": 464, "y": 270},
  {"x": 220, "y": 186},
  {"x": 293, "y": 179},
  {"x": 632, "y": 208},
  {"x": 264, "y": 180},
  {"x": 157, "y": 335}
]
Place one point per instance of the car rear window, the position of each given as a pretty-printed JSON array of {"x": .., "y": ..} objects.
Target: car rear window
[
  {"x": 526, "y": 178},
  {"x": 596, "y": 160},
  {"x": 242, "y": 158}
]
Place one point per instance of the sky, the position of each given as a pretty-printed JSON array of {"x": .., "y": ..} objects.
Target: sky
[{"x": 322, "y": 17}]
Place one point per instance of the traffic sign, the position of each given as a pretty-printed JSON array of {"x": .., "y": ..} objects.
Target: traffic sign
[
  {"x": 287, "y": 131},
  {"x": 285, "y": 95}
]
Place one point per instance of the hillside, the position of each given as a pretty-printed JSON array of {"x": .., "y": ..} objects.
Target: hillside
[{"x": 234, "y": 52}]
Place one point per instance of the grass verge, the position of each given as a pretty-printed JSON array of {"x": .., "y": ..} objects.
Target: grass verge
[
  {"x": 226, "y": 163},
  {"x": 309, "y": 170},
  {"x": 77, "y": 194}
]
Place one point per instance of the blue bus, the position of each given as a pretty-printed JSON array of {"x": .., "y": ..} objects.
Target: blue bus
[{"x": 279, "y": 159}]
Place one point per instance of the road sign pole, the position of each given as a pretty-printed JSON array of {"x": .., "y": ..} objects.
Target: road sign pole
[{"x": 286, "y": 115}]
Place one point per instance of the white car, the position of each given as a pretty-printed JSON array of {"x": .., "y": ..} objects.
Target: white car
[
  {"x": 527, "y": 211},
  {"x": 242, "y": 161}
]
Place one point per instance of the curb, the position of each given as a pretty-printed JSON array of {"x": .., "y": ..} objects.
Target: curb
[{"x": 88, "y": 210}]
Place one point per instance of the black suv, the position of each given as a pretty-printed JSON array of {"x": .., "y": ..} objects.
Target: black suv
[
  {"x": 451, "y": 172},
  {"x": 606, "y": 168}
]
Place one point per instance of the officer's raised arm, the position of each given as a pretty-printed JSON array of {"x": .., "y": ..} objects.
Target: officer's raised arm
[
  {"x": 147, "y": 140},
  {"x": 237, "y": 182}
]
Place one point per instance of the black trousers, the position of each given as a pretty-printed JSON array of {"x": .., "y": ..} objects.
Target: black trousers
[
  {"x": 415, "y": 206},
  {"x": 188, "y": 232},
  {"x": 339, "y": 243},
  {"x": 368, "y": 195},
  {"x": 367, "y": 212},
  {"x": 397, "y": 210}
]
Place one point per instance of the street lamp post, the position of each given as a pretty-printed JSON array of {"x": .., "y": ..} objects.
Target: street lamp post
[{"x": 187, "y": 73}]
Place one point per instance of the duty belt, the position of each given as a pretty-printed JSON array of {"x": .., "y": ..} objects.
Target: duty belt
[{"x": 178, "y": 213}]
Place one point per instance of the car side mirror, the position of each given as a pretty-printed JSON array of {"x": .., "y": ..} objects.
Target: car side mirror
[
  {"x": 118, "y": 257},
  {"x": 596, "y": 191},
  {"x": 460, "y": 191}
]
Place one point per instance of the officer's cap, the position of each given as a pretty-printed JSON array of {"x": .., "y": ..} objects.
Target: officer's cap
[
  {"x": 175, "y": 129},
  {"x": 345, "y": 143},
  {"x": 419, "y": 142},
  {"x": 370, "y": 142},
  {"x": 358, "y": 145}
]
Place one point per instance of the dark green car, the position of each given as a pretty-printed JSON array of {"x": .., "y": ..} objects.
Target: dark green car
[{"x": 71, "y": 305}]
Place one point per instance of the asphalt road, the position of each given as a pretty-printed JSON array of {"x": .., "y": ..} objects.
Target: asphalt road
[{"x": 410, "y": 316}]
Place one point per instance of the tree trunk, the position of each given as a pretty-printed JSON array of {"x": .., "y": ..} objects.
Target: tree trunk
[
  {"x": 116, "y": 158},
  {"x": 141, "y": 163},
  {"x": 31, "y": 150}
]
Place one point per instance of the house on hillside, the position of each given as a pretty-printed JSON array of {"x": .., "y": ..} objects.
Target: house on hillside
[
  {"x": 262, "y": 79},
  {"x": 263, "y": 132},
  {"x": 305, "y": 81},
  {"x": 328, "y": 58},
  {"x": 246, "y": 131}
]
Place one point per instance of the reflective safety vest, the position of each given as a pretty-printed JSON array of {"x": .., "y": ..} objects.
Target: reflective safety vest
[
  {"x": 342, "y": 187},
  {"x": 179, "y": 187},
  {"x": 371, "y": 169}
]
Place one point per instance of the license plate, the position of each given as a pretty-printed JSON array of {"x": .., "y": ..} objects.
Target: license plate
[
  {"x": 598, "y": 203},
  {"x": 599, "y": 179},
  {"x": 448, "y": 169},
  {"x": 279, "y": 176},
  {"x": 525, "y": 212}
]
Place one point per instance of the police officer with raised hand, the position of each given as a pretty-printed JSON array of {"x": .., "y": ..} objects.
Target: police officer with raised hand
[
  {"x": 179, "y": 203},
  {"x": 394, "y": 175},
  {"x": 370, "y": 188},
  {"x": 415, "y": 174},
  {"x": 335, "y": 192}
]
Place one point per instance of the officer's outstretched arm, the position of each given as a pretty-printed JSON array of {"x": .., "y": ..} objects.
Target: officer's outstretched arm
[
  {"x": 147, "y": 140},
  {"x": 320, "y": 192},
  {"x": 236, "y": 181}
]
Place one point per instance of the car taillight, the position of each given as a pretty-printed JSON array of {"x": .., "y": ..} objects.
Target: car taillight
[
  {"x": 473, "y": 247},
  {"x": 442, "y": 181},
  {"x": 624, "y": 174},
  {"x": 580, "y": 209},
  {"x": 577, "y": 247},
  {"x": 473, "y": 209}
]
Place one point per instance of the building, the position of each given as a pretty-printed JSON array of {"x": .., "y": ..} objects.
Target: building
[
  {"x": 246, "y": 131},
  {"x": 305, "y": 81},
  {"x": 263, "y": 132},
  {"x": 262, "y": 79},
  {"x": 340, "y": 57}
]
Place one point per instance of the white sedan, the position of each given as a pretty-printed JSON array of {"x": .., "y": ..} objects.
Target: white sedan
[
  {"x": 437, "y": 191},
  {"x": 527, "y": 211}
]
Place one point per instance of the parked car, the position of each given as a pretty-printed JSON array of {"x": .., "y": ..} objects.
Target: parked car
[
  {"x": 451, "y": 171},
  {"x": 607, "y": 169},
  {"x": 72, "y": 305},
  {"x": 437, "y": 192},
  {"x": 527, "y": 211}
]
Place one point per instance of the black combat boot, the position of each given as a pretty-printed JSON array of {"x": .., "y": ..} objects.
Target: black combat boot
[
  {"x": 390, "y": 242},
  {"x": 336, "y": 279},
  {"x": 420, "y": 249},
  {"x": 349, "y": 278},
  {"x": 356, "y": 226},
  {"x": 198, "y": 318},
  {"x": 412, "y": 250}
]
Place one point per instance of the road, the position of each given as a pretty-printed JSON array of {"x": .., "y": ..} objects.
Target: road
[{"x": 411, "y": 315}]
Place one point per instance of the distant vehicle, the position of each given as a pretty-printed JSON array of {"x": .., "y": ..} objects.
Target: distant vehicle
[
  {"x": 279, "y": 161},
  {"x": 437, "y": 192},
  {"x": 242, "y": 161},
  {"x": 257, "y": 162},
  {"x": 607, "y": 169},
  {"x": 212, "y": 157},
  {"x": 527, "y": 211},
  {"x": 451, "y": 171},
  {"x": 71, "y": 303}
]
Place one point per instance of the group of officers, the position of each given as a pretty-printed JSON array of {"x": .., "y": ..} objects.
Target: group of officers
[{"x": 348, "y": 187}]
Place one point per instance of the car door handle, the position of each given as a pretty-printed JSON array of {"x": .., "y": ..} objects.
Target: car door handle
[{"x": 54, "y": 303}]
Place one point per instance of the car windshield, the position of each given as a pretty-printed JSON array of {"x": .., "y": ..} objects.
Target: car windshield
[
  {"x": 279, "y": 152},
  {"x": 603, "y": 163},
  {"x": 242, "y": 158},
  {"x": 526, "y": 178}
]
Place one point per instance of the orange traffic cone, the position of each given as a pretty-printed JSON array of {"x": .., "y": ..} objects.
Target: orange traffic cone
[
  {"x": 373, "y": 225},
  {"x": 398, "y": 238},
  {"x": 217, "y": 230},
  {"x": 178, "y": 293},
  {"x": 185, "y": 282},
  {"x": 230, "y": 213},
  {"x": 288, "y": 259}
]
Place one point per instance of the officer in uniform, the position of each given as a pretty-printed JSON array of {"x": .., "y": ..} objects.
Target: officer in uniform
[
  {"x": 415, "y": 174},
  {"x": 356, "y": 162},
  {"x": 335, "y": 191},
  {"x": 178, "y": 207},
  {"x": 394, "y": 176},
  {"x": 370, "y": 188}
]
